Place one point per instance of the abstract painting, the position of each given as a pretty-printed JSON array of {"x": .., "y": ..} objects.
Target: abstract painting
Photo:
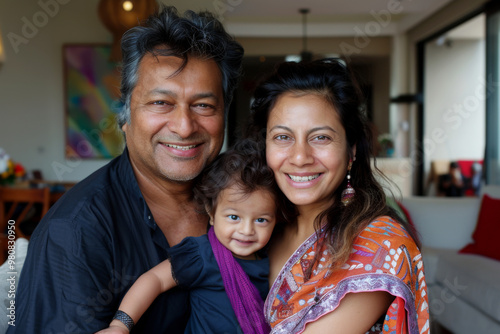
[{"x": 91, "y": 96}]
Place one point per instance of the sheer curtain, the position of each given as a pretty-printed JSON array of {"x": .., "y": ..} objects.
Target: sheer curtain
[{"x": 492, "y": 154}]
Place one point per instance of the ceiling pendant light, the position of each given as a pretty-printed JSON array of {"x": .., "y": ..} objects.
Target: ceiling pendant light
[
  {"x": 305, "y": 55},
  {"x": 119, "y": 16}
]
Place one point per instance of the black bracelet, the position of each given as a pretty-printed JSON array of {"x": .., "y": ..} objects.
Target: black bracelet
[{"x": 125, "y": 319}]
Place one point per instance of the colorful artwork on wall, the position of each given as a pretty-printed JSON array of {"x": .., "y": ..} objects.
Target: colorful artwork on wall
[{"x": 91, "y": 95}]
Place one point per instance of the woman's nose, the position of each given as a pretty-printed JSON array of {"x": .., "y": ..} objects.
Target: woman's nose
[{"x": 301, "y": 154}]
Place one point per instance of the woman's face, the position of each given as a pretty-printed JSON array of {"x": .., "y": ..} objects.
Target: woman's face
[{"x": 306, "y": 147}]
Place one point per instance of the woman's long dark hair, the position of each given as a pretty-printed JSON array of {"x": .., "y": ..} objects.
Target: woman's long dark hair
[{"x": 333, "y": 80}]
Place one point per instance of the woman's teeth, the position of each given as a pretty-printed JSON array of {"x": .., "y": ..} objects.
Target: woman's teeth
[{"x": 303, "y": 178}]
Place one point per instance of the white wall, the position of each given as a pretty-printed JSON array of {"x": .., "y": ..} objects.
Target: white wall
[
  {"x": 454, "y": 122},
  {"x": 31, "y": 82}
]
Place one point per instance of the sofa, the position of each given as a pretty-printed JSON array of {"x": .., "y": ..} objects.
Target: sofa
[
  {"x": 9, "y": 277},
  {"x": 463, "y": 288}
]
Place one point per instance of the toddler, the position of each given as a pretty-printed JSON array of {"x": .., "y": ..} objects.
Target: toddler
[{"x": 224, "y": 270}]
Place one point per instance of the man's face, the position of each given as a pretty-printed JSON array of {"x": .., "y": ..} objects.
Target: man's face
[{"x": 177, "y": 120}]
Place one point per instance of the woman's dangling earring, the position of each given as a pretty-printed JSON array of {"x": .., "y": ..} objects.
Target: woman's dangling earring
[{"x": 349, "y": 192}]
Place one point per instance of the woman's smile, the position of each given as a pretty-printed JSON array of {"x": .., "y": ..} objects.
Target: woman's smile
[{"x": 297, "y": 178}]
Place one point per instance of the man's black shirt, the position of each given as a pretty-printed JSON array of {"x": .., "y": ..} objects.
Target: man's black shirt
[{"x": 85, "y": 254}]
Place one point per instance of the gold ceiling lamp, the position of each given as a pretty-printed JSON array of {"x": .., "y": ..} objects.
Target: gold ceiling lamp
[
  {"x": 119, "y": 16},
  {"x": 2, "y": 51}
]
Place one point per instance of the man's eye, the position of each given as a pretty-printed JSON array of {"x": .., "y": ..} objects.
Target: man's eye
[
  {"x": 204, "y": 109},
  {"x": 204, "y": 105}
]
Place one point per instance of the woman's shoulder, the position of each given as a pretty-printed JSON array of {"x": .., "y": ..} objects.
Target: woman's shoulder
[
  {"x": 387, "y": 229},
  {"x": 382, "y": 245}
]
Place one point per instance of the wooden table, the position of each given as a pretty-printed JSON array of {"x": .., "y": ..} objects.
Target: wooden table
[{"x": 57, "y": 188}]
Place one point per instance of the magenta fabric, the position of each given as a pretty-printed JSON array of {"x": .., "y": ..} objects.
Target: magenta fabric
[{"x": 244, "y": 296}]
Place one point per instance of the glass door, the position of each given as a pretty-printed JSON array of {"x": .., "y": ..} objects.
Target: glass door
[{"x": 453, "y": 110}]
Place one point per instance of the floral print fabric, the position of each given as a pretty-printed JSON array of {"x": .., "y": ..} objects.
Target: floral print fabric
[{"x": 384, "y": 258}]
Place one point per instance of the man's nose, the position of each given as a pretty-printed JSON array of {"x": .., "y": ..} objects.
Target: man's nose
[{"x": 182, "y": 122}]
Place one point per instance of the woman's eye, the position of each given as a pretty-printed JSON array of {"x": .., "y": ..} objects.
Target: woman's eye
[
  {"x": 321, "y": 138},
  {"x": 261, "y": 220},
  {"x": 282, "y": 137},
  {"x": 233, "y": 217}
]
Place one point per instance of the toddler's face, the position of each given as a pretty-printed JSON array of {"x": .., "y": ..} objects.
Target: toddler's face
[{"x": 243, "y": 223}]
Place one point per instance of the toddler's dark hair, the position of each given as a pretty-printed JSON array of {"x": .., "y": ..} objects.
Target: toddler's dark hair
[{"x": 243, "y": 165}]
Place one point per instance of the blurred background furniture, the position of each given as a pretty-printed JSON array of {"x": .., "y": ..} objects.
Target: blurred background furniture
[
  {"x": 398, "y": 173},
  {"x": 464, "y": 288},
  {"x": 471, "y": 171},
  {"x": 17, "y": 206},
  {"x": 6, "y": 273},
  {"x": 57, "y": 188}
]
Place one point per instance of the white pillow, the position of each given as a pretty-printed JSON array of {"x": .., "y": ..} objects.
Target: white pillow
[
  {"x": 491, "y": 190},
  {"x": 444, "y": 222},
  {"x": 6, "y": 272}
]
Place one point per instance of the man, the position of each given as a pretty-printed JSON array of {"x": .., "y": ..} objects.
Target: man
[
  {"x": 178, "y": 77},
  {"x": 453, "y": 183}
]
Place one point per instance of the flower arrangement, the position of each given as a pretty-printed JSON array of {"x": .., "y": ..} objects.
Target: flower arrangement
[{"x": 9, "y": 171}]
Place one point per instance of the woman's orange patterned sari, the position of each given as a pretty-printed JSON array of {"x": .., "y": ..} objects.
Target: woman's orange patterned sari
[{"x": 384, "y": 258}]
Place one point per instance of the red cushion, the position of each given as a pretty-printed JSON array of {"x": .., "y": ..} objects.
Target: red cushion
[
  {"x": 487, "y": 230},
  {"x": 466, "y": 167}
]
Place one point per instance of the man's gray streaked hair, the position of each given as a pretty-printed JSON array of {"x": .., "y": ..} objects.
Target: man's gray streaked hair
[{"x": 166, "y": 33}]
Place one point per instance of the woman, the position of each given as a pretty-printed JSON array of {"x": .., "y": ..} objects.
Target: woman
[{"x": 347, "y": 264}]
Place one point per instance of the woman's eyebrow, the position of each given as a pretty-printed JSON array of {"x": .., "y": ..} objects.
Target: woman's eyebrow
[
  {"x": 318, "y": 128},
  {"x": 282, "y": 127}
]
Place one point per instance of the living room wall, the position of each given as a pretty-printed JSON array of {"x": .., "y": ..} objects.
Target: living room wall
[{"x": 31, "y": 81}]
